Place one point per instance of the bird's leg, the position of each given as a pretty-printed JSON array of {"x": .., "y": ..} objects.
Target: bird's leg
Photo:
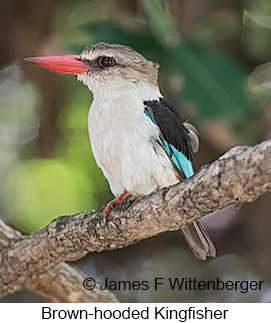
[
  {"x": 111, "y": 204},
  {"x": 136, "y": 197},
  {"x": 120, "y": 199}
]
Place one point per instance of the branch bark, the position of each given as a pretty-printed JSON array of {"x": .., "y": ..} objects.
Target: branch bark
[
  {"x": 62, "y": 283},
  {"x": 241, "y": 175}
]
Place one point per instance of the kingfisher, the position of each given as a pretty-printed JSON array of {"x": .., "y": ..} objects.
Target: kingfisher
[{"x": 137, "y": 137}]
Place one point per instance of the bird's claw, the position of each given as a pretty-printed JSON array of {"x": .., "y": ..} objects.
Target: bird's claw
[
  {"x": 111, "y": 204},
  {"x": 134, "y": 198},
  {"x": 103, "y": 218},
  {"x": 106, "y": 211}
]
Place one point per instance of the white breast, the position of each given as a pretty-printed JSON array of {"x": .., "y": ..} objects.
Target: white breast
[{"x": 122, "y": 142}]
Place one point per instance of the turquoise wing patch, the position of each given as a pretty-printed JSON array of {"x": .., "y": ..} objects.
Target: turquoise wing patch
[{"x": 178, "y": 159}]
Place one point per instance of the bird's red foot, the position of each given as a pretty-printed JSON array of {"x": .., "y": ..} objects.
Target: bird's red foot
[
  {"x": 111, "y": 204},
  {"x": 134, "y": 198},
  {"x": 137, "y": 197},
  {"x": 120, "y": 199}
]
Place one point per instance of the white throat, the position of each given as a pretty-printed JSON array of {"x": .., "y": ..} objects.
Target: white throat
[{"x": 120, "y": 89}]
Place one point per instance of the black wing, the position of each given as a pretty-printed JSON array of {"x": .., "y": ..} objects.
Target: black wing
[{"x": 170, "y": 125}]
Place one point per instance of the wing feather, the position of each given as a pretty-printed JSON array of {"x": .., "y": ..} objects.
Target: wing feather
[
  {"x": 179, "y": 142},
  {"x": 174, "y": 137}
]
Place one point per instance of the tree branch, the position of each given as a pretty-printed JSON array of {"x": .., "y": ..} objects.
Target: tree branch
[
  {"x": 63, "y": 283},
  {"x": 241, "y": 175}
]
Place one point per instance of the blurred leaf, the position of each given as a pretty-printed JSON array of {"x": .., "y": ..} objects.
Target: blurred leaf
[
  {"x": 213, "y": 80},
  {"x": 70, "y": 17},
  {"x": 217, "y": 27},
  {"x": 257, "y": 31},
  {"x": 160, "y": 23},
  {"x": 141, "y": 40},
  {"x": 260, "y": 19},
  {"x": 37, "y": 191},
  {"x": 18, "y": 108},
  {"x": 71, "y": 20},
  {"x": 18, "y": 115},
  {"x": 259, "y": 81}
]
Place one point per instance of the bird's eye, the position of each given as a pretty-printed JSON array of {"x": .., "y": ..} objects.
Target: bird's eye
[{"x": 105, "y": 62}]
